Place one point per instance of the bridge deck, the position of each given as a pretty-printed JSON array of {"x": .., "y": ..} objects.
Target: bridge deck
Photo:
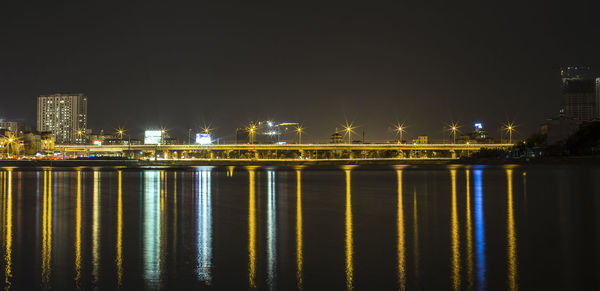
[{"x": 288, "y": 147}]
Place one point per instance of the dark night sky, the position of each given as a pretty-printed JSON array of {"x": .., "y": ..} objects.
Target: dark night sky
[{"x": 179, "y": 65}]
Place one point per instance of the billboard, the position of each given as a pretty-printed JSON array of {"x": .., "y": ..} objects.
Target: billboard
[
  {"x": 152, "y": 137},
  {"x": 203, "y": 138}
]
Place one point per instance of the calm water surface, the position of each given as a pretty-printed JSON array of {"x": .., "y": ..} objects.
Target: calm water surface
[{"x": 433, "y": 228}]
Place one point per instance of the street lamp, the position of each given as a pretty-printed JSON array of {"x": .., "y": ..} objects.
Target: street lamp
[
  {"x": 79, "y": 134},
  {"x": 163, "y": 134},
  {"x": 349, "y": 129},
  {"x": 400, "y": 128},
  {"x": 206, "y": 129},
  {"x": 120, "y": 132},
  {"x": 299, "y": 130},
  {"x": 509, "y": 127},
  {"x": 252, "y": 132},
  {"x": 453, "y": 129}
]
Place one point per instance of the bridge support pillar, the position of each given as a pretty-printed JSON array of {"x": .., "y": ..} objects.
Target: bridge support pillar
[
  {"x": 453, "y": 153},
  {"x": 212, "y": 154},
  {"x": 301, "y": 154},
  {"x": 256, "y": 156}
]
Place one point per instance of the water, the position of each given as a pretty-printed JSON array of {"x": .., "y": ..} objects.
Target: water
[{"x": 433, "y": 228}]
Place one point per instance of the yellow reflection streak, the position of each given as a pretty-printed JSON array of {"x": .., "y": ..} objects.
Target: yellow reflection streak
[
  {"x": 78, "y": 231},
  {"x": 299, "y": 257},
  {"x": 401, "y": 247},
  {"x": 8, "y": 219},
  {"x": 47, "y": 229},
  {"x": 251, "y": 230},
  {"x": 96, "y": 228},
  {"x": 455, "y": 236},
  {"x": 349, "y": 234},
  {"x": 44, "y": 227},
  {"x": 163, "y": 221},
  {"x": 174, "y": 214},
  {"x": 469, "y": 231},
  {"x": 416, "y": 234},
  {"x": 512, "y": 240},
  {"x": 271, "y": 231},
  {"x": 119, "y": 259}
]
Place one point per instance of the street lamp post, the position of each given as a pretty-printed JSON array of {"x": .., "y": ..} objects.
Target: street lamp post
[
  {"x": 400, "y": 131},
  {"x": 454, "y": 129},
  {"x": 299, "y": 130},
  {"x": 454, "y": 134},
  {"x": 349, "y": 131},
  {"x": 79, "y": 134},
  {"x": 509, "y": 127},
  {"x": 252, "y": 131},
  {"x": 120, "y": 132}
]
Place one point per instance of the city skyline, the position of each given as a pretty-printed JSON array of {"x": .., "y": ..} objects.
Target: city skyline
[{"x": 372, "y": 64}]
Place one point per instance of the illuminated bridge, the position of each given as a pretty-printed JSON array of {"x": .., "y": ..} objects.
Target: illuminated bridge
[{"x": 283, "y": 152}]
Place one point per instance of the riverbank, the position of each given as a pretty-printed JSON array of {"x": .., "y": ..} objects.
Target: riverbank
[
  {"x": 126, "y": 163},
  {"x": 214, "y": 162}
]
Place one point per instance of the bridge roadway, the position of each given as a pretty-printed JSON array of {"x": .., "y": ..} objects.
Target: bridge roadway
[{"x": 284, "y": 147}]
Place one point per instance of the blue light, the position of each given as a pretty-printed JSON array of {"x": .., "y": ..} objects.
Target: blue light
[{"x": 479, "y": 230}]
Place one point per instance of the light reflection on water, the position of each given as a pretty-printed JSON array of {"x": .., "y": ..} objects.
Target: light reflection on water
[
  {"x": 271, "y": 230},
  {"x": 455, "y": 235},
  {"x": 206, "y": 228},
  {"x": 151, "y": 227},
  {"x": 204, "y": 222},
  {"x": 479, "y": 229}
]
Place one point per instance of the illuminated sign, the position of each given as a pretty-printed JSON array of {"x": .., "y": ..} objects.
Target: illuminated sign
[
  {"x": 97, "y": 142},
  {"x": 478, "y": 125},
  {"x": 152, "y": 137},
  {"x": 203, "y": 138}
]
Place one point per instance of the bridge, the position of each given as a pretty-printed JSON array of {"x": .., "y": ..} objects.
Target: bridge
[{"x": 283, "y": 151}]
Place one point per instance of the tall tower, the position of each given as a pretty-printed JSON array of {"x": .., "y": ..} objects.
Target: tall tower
[
  {"x": 597, "y": 98},
  {"x": 579, "y": 93},
  {"x": 63, "y": 115}
]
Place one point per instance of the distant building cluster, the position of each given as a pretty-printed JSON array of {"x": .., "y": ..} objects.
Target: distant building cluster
[{"x": 63, "y": 119}]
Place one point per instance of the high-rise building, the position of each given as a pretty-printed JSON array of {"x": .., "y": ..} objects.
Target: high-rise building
[
  {"x": 63, "y": 115},
  {"x": 579, "y": 93},
  {"x": 597, "y": 98}
]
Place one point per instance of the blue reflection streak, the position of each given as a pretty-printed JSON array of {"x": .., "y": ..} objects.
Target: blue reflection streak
[
  {"x": 151, "y": 229},
  {"x": 204, "y": 223},
  {"x": 271, "y": 230},
  {"x": 479, "y": 230}
]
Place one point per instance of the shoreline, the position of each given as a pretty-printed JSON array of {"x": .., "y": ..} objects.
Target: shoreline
[{"x": 133, "y": 164}]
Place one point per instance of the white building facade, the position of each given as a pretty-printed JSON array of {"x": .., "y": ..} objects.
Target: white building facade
[{"x": 63, "y": 115}]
